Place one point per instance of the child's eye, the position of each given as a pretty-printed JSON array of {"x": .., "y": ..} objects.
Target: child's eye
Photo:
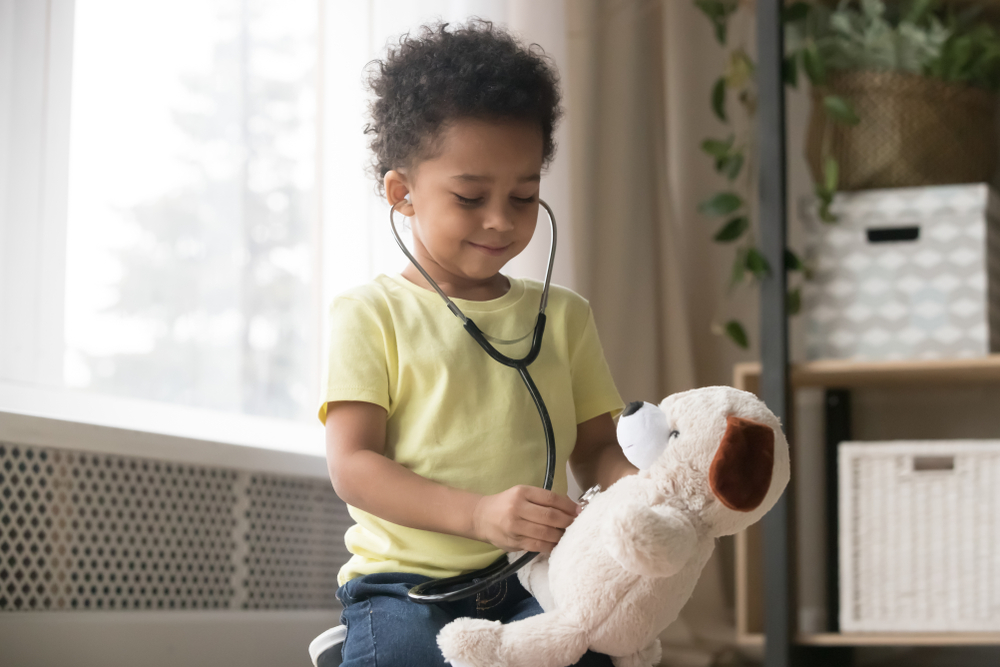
[
  {"x": 465, "y": 201},
  {"x": 524, "y": 200}
]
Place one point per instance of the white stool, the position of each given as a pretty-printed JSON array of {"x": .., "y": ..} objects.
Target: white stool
[{"x": 325, "y": 650}]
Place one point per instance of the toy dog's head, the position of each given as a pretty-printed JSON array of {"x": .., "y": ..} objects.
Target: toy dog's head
[{"x": 718, "y": 452}]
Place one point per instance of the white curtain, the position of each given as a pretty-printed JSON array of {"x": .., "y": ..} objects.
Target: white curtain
[{"x": 635, "y": 111}]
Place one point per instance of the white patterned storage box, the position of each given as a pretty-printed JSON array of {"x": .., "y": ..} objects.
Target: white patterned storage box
[
  {"x": 907, "y": 273},
  {"x": 920, "y": 536}
]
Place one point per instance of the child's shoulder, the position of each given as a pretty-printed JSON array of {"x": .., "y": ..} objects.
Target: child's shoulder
[
  {"x": 557, "y": 293},
  {"x": 563, "y": 302},
  {"x": 371, "y": 297},
  {"x": 378, "y": 289}
]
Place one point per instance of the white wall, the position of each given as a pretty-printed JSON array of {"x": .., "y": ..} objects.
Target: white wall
[{"x": 161, "y": 639}]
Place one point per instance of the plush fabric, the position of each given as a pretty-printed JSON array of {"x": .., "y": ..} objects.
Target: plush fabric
[
  {"x": 741, "y": 472},
  {"x": 629, "y": 562}
]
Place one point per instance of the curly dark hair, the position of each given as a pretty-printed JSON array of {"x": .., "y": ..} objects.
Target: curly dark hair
[{"x": 476, "y": 70}]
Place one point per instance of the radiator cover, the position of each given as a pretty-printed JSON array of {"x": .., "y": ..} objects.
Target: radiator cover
[{"x": 83, "y": 531}]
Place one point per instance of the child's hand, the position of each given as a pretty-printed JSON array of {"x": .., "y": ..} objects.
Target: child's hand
[{"x": 523, "y": 518}]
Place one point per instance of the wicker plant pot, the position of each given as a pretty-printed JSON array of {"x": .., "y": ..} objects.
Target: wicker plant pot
[{"x": 914, "y": 131}]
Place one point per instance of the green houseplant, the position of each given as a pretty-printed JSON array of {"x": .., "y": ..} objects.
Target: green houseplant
[{"x": 906, "y": 71}]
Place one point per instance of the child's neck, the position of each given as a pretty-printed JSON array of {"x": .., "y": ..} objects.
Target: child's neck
[{"x": 470, "y": 290}]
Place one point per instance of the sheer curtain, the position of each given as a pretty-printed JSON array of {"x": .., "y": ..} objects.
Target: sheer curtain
[{"x": 633, "y": 107}]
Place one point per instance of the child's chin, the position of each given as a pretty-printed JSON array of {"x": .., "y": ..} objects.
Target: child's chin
[{"x": 484, "y": 271}]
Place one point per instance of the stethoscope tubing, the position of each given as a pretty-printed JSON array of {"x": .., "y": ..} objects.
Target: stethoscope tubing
[{"x": 452, "y": 587}]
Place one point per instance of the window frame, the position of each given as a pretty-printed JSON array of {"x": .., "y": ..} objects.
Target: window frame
[
  {"x": 77, "y": 419},
  {"x": 35, "y": 78}
]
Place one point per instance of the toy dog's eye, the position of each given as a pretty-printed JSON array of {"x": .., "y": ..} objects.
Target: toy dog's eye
[{"x": 673, "y": 434}]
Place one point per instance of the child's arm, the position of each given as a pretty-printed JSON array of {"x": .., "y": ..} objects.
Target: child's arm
[
  {"x": 522, "y": 518},
  {"x": 597, "y": 457}
]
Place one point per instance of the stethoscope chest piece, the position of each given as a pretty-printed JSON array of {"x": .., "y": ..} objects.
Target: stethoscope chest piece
[{"x": 589, "y": 495}]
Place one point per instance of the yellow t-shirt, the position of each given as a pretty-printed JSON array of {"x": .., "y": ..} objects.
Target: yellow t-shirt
[{"x": 454, "y": 415}]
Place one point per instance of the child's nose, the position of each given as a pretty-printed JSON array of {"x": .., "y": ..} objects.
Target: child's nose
[{"x": 500, "y": 220}]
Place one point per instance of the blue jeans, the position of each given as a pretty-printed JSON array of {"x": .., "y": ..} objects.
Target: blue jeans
[{"x": 387, "y": 629}]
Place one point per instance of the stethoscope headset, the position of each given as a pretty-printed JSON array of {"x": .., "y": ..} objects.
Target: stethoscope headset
[{"x": 470, "y": 583}]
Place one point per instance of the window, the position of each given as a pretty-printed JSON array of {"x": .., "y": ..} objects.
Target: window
[{"x": 191, "y": 213}]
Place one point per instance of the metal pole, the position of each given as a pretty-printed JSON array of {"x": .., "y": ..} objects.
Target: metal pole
[{"x": 779, "y": 572}]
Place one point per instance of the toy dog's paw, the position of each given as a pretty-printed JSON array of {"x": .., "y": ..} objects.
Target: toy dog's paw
[
  {"x": 471, "y": 642},
  {"x": 647, "y": 657}
]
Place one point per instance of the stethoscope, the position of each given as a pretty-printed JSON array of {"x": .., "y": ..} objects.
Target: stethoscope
[{"x": 452, "y": 587}]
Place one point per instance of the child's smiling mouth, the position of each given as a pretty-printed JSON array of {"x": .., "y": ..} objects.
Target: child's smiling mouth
[{"x": 493, "y": 251}]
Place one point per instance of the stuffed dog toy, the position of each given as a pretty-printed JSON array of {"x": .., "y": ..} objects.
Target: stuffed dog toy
[{"x": 712, "y": 462}]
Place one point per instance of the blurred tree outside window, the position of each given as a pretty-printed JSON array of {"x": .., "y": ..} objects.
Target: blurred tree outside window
[{"x": 191, "y": 225}]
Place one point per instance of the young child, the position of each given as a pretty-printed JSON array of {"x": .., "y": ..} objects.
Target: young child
[{"x": 436, "y": 448}]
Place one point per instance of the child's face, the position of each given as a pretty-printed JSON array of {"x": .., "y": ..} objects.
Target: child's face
[{"x": 475, "y": 202}]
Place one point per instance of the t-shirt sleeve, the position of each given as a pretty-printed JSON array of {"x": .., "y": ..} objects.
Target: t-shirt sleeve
[
  {"x": 594, "y": 391},
  {"x": 358, "y": 366}
]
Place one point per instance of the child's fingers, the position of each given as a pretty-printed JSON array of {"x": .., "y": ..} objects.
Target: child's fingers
[
  {"x": 552, "y": 499},
  {"x": 546, "y": 516},
  {"x": 538, "y": 531},
  {"x": 541, "y": 546}
]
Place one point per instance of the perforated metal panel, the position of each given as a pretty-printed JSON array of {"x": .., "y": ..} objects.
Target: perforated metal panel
[
  {"x": 85, "y": 531},
  {"x": 295, "y": 539}
]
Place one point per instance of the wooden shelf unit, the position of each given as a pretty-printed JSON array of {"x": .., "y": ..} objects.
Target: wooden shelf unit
[
  {"x": 749, "y": 544},
  {"x": 852, "y": 374},
  {"x": 849, "y": 639}
]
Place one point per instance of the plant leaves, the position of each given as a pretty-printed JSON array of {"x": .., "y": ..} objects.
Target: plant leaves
[
  {"x": 757, "y": 264},
  {"x": 718, "y": 12},
  {"x": 719, "y": 99},
  {"x": 731, "y": 166},
  {"x": 831, "y": 174},
  {"x": 813, "y": 64},
  {"x": 740, "y": 70},
  {"x": 718, "y": 147},
  {"x": 733, "y": 229},
  {"x": 793, "y": 301},
  {"x": 720, "y": 31},
  {"x": 917, "y": 11},
  {"x": 825, "y": 200},
  {"x": 792, "y": 261},
  {"x": 796, "y": 11},
  {"x": 739, "y": 270},
  {"x": 840, "y": 109},
  {"x": 722, "y": 203},
  {"x": 736, "y": 333}
]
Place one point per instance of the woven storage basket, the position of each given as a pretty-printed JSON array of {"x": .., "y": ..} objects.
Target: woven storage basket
[
  {"x": 920, "y": 536},
  {"x": 913, "y": 131}
]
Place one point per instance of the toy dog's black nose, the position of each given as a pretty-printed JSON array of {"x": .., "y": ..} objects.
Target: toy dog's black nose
[{"x": 631, "y": 407}]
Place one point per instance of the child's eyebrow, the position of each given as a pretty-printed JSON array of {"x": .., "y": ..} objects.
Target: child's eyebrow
[{"x": 475, "y": 178}]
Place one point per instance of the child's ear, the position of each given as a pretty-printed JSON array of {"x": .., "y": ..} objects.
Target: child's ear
[{"x": 397, "y": 189}]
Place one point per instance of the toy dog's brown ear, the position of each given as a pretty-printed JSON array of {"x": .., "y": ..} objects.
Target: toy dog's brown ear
[{"x": 741, "y": 471}]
